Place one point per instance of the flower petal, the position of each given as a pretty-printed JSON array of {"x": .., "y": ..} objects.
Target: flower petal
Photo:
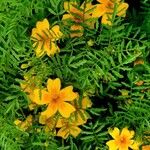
[
  {"x": 50, "y": 111},
  {"x": 68, "y": 6},
  {"x": 86, "y": 103},
  {"x": 76, "y": 31},
  {"x": 55, "y": 32},
  {"x": 40, "y": 97},
  {"x": 51, "y": 49},
  {"x": 42, "y": 24},
  {"x": 63, "y": 132},
  {"x": 114, "y": 133},
  {"x": 99, "y": 10},
  {"x": 67, "y": 16},
  {"x": 122, "y": 9},
  {"x": 112, "y": 145},
  {"x": 126, "y": 133},
  {"x": 54, "y": 86},
  {"x": 106, "y": 19},
  {"x": 75, "y": 131},
  {"x": 67, "y": 94},
  {"x": 65, "y": 109}
]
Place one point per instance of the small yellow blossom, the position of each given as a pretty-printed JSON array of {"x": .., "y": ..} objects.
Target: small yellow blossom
[
  {"x": 122, "y": 140},
  {"x": 90, "y": 42},
  {"x": 24, "y": 125},
  {"x": 67, "y": 128},
  {"x": 56, "y": 98},
  {"x": 44, "y": 38},
  {"x": 79, "y": 15},
  {"x": 106, "y": 9},
  {"x": 146, "y": 147}
]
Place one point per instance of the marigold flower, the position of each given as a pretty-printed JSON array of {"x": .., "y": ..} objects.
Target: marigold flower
[
  {"x": 122, "y": 140},
  {"x": 44, "y": 38},
  {"x": 79, "y": 15},
  {"x": 67, "y": 128},
  {"x": 24, "y": 125},
  {"x": 57, "y": 99},
  {"x": 106, "y": 9}
]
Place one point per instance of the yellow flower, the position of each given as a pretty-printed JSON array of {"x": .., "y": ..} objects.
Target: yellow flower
[
  {"x": 57, "y": 99},
  {"x": 79, "y": 15},
  {"x": 122, "y": 140},
  {"x": 24, "y": 125},
  {"x": 44, "y": 38},
  {"x": 106, "y": 9},
  {"x": 67, "y": 128},
  {"x": 146, "y": 147}
]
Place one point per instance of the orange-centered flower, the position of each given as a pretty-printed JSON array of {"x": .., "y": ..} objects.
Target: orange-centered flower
[
  {"x": 57, "y": 99},
  {"x": 106, "y": 9},
  {"x": 122, "y": 140},
  {"x": 44, "y": 38},
  {"x": 79, "y": 16}
]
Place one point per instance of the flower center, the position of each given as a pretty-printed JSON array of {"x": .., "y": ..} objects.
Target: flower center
[{"x": 122, "y": 140}]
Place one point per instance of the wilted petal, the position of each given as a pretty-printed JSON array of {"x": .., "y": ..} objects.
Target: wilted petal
[{"x": 63, "y": 132}]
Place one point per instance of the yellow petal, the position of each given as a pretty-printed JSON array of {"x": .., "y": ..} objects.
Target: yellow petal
[
  {"x": 68, "y": 6},
  {"x": 112, "y": 145},
  {"x": 42, "y": 24},
  {"x": 50, "y": 111},
  {"x": 106, "y": 19},
  {"x": 39, "y": 48},
  {"x": 122, "y": 9},
  {"x": 40, "y": 97},
  {"x": 86, "y": 103},
  {"x": 114, "y": 133},
  {"x": 55, "y": 33},
  {"x": 76, "y": 31},
  {"x": 42, "y": 119},
  {"x": 63, "y": 132},
  {"x": 60, "y": 122},
  {"x": 99, "y": 10},
  {"x": 135, "y": 145},
  {"x": 51, "y": 48},
  {"x": 67, "y": 16},
  {"x": 126, "y": 133},
  {"x": 75, "y": 131},
  {"x": 17, "y": 122},
  {"x": 67, "y": 94},
  {"x": 54, "y": 86},
  {"x": 65, "y": 109}
]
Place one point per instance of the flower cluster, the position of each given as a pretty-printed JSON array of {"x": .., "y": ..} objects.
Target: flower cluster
[
  {"x": 78, "y": 18},
  {"x": 63, "y": 108}
]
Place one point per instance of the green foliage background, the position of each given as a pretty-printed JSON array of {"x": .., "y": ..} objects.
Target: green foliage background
[{"x": 102, "y": 71}]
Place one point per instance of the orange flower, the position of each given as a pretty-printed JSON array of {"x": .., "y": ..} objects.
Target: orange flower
[
  {"x": 79, "y": 15},
  {"x": 44, "y": 38},
  {"x": 106, "y": 9},
  {"x": 122, "y": 140},
  {"x": 67, "y": 128},
  {"x": 57, "y": 100}
]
